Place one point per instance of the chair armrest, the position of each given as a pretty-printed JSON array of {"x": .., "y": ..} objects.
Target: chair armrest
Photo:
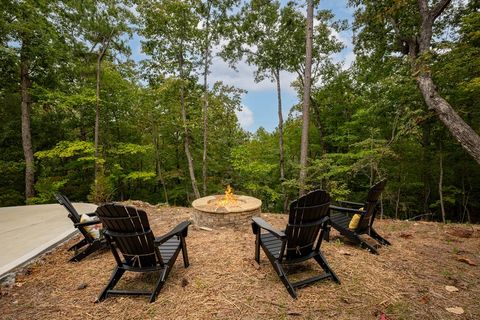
[
  {"x": 258, "y": 223},
  {"x": 351, "y": 204},
  {"x": 86, "y": 223},
  {"x": 180, "y": 230},
  {"x": 347, "y": 210}
]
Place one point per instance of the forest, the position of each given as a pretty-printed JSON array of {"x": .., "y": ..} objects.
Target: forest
[{"x": 79, "y": 115}]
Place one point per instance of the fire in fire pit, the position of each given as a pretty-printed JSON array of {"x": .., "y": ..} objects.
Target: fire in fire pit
[
  {"x": 225, "y": 210},
  {"x": 228, "y": 199}
]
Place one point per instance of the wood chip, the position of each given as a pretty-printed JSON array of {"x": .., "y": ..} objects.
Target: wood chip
[
  {"x": 467, "y": 261},
  {"x": 451, "y": 288},
  {"x": 455, "y": 310},
  {"x": 255, "y": 265},
  {"x": 184, "y": 282},
  {"x": 205, "y": 228},
  {"x": 346, "y": 253},
  {"x": 294, "y": 313},
  {"x": 406, "y": 236},
  {"x": 82, "y": 286}
]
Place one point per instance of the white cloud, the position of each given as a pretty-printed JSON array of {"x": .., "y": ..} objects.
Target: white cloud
[
  {"x": 245, "y": 117},
  {"x": 244, "y": 78}
]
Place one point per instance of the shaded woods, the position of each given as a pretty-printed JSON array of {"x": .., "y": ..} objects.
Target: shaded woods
[{"x": 82, "y": 115}]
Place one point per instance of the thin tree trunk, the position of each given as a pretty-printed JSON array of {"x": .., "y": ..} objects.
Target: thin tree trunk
[
  {"x": 97, "y": 121},
  {"x": 460, "y": 130},
  {"x": 26, "y": 131},
  {"x": 205, "y": 105},
  {"x": 186, "y": 140},
  {"x": 306, "y": 97},
  {"x": 280, "y": 137},
  {"x": 159, "y": 166},
  {"x": 440, "y": 186},
  {"x": 100, "y": 56},
  {"x": 426, "y": 160}
]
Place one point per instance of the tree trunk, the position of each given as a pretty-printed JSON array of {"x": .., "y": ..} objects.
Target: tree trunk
[
  {"x": 186, "y": 140},
  {"x": 306, "y": 97},
  {"x": 460, "y": 130},
  {"x": 100, "y": 56},
  {"x": 159, "y": 166},
  {"x": 280, "y": 137},
  {"x": 97, "y": 121},
  {"x": 26, "y": 132},
  {"x": 205, "y": 105},
  {"x": 426, "y": 167},
  {"x": 440, "y": 186}
]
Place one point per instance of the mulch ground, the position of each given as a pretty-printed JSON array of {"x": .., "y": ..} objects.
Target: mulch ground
[{"x": 406, "y": 281}]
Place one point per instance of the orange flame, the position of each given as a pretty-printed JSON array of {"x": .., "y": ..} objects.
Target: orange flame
[{"x": 228, "y": 198}]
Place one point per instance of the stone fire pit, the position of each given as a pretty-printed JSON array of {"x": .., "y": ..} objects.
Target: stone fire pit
[{"x": 208, "y": 213}]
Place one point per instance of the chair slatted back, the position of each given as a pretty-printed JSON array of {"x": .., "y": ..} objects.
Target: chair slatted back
[
  {"x": 371, "y": 205},
  {"x": 129, "y": 229},
  {"x": 304, "y": 223},
  {"x": 73, "y": 215}
]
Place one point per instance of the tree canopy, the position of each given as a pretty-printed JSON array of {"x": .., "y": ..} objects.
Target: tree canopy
[{"x": 80, "y": 115}]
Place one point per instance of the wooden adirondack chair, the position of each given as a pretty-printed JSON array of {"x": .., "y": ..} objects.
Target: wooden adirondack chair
[
  {"x": 341, "y": 216},
  {"x": 128, "y": 234},
  {"x": 307, "y": 223},
  {"x": 88, "y": 244}
]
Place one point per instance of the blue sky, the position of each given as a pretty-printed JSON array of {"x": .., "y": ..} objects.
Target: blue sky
[{"x": 260, "y": 102}]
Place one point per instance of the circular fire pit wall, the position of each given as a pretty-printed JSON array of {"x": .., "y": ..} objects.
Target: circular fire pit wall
[{"x": 207, "y": 212}]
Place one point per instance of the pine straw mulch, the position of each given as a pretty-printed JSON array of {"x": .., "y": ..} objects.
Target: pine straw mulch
[{"x": 406, "y": 281}]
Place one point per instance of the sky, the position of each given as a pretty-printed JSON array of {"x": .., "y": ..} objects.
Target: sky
[{"x": 259, "y": 103}]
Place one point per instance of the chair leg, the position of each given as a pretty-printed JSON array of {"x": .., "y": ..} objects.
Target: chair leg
[
  {"x": 78, "y": 245},
  {"x": 159, "y": 285},
  {"x": 84, "y": 253},
  {"x": 352, "y": 236},
  {"x": 257, "y": 247},
  {"x": 326, "y": 267},
  {"x": 186, "y": 263},
  {"x": 326, "y": 235},
  {"x": 379, "y": 238},
  {"x": 283, "y": 277},
  {"x": 116, "y": 275},
  {"x": 365, "y": 245}
]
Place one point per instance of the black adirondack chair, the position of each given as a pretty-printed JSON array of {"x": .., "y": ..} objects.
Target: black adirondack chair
[
  {"x": 128, "y": 234},
  {"x": 340, "y": 218},
  {"x": 88, "y": 244},
  {"x": 307, "y": 223}
]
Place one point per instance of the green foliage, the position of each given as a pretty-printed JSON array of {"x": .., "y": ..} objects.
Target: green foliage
[
  {"x": 368, "y": 122},
  {"x": 45, "y": 188},
  {"x": 66, "y": 149}
]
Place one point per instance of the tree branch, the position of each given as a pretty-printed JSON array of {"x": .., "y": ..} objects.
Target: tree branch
[{"x": 438, "y": 9}]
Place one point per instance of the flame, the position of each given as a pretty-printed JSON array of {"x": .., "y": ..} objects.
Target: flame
[{"x": 228, "y": 199}]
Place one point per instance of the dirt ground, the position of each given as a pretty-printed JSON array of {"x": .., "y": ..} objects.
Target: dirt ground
[{"x": 406, "y": 281}]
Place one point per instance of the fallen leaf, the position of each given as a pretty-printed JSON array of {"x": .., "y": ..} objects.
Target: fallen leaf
[
  {"x": 346, "y": 253},
  {"x": 425, "y": 299},
  {"x": 455, "y": 310},
  {"x": 383, "y": 316},
  {"x": 184, "y": 282},
  {"x": 406, "y": 236},
  {"x": 467, "y": 261},
  {"x": 451, "y": 288}
]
